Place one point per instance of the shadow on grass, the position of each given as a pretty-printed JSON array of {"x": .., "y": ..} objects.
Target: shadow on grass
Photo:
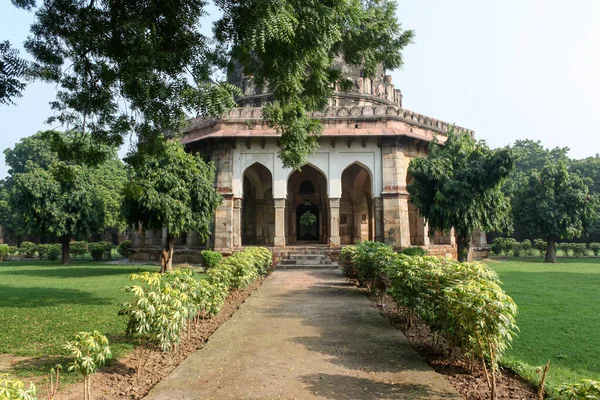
[
  {"x": 76, "y": 271},
  {"x": 44, "y": 297}
]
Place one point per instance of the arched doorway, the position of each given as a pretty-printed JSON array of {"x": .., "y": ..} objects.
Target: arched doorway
[
  {"x": 357, "y": 222},
  {"x": 258, "y": 207},
  {"x": 306, "y": 207}
]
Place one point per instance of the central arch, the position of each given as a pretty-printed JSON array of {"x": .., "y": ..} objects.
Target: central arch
[{"x": 307, "y": 193}]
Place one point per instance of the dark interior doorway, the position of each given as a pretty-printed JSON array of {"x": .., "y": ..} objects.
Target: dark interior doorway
[{"x": 307, "y": 222}]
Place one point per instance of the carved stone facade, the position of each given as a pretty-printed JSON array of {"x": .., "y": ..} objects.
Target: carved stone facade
[{"x": 352, "y": 189}]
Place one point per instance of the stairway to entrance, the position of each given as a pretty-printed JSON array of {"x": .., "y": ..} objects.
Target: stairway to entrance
[{"x": 307, "y": 259}]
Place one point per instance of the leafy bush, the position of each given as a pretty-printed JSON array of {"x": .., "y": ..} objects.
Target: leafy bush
[
  {"x": 595, "y": 247},
  {"x": 540, "y": 245},
  {"x": 510, "y": 244},
  {"x": 124, "y": 248},
  {"x": 586, "y": 389},
  {"x": 4, "y": 250},
  {"x": 566, "y": 248},
  {"x": 461, "y": 301},
  {"x": 90, "y": 351},
  {"x": 346, "y": 255},
  {"x": 14, "y": 389},
  {"x": 210, "y": 259},
  {"x": 49, "y": 251},
  {"x": 370, "y": 259},
  {"x": 28, "y": 249},
  {"x": 78, "y": 248},
  {"x": 502, "y": 245},
  {"x": 100, "y": 249},
  {"x": 526, "y": 247},
  {"x": 414, "y": 251},
  {"x": 517, "y": 249},
  {"x": 578, "y": 249}
]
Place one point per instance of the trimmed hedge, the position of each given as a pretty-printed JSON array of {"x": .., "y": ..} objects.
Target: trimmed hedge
[
  {"x": 49, "y": 251},
  {"x": 124, "y": 248},
  {"x": 210, "y": 259},
  {"x": 28, "y": 249},
  {"x": 4, "y": 250}
]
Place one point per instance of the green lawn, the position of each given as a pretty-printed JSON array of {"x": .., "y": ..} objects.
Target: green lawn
[
  {"x": 42, "y": 304},
  {"x": 559, "y": 317}
]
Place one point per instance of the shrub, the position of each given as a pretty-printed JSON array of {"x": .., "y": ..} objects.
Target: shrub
[
  {"x": 540, "y": 245},
  {"x": 210, "y": 259},
  {"x": 526, "y": 246},
  {"x": 517, "y": 249},
  {"x": 100, "y": 249},
  {"x": 595, "y": 247},
  {"x": 28, "y": 249},
  {"x": 502, "y": 245},
  {"x": 578, "y": 249},
  {"x": 78, "y": 248},
  {"x": 510, "y": 244},
  {"x": 124, "y": 248},
  {"x": 4, "y": 250},
  {"x": 565, "y": 248},
  {"x": 15, "y": 389},
  {"x": 346, "y": 255},
  {"x": 49, "y": 251},
  {"x": 585, "y": 389},
  {"x": 370, "y": 259},
  {"x": 414, "y": 251},
  {"x": 90, "y": 351}
]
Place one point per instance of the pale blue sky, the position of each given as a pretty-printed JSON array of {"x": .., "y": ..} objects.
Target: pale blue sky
[{"x": 510, "y": 69}]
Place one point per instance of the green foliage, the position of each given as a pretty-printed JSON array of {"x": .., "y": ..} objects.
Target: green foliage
[
  {"x": 517, "y": 249},
  {"x": 98, "y": 250},
  {"x": 14, "y": 389},
  {"x": 555, "y": 203},
  {"x": 4, "y": 250},
  {"x": 540, "y": 245},
  {"x": 28, "y": 249},
  {"x": 595, "y": 247},
  {"x": 502, "y": 245},
  {"x": 49, "y": 251},
  {"x": 370, "y": 259},
  {"x": 586, "y": 389},
  {"x": 210, "y": 259},
  {"x": 308, "y": 219},
  {"x": 78, "y": 248},
  {"x": 124, "y": 248},
  {"x": 462, "y": 301},
  {"x": 526, "y": 246},
  {"x": 346, "y": 256},
  {"x": 458, "y": 186},
  {"x": 566, "y": 248},
  {"x": 12, "y": 71},
  {"x": 174, "y": 190},
  {"x": 578, "y": 249},
  {"x": 90, "y": 350},
  {"x": 414, "y": 251}
]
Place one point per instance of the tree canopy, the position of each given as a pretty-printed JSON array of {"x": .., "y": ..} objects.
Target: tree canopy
[
  {"x": 144, "y": 67},
  {"x": 173, "y": 190},
  {"x": 12, "y": 71},
  {"x": 555, "y": 204},
  {"x": 44, "y": 195},
  {"x": 458, "y": 186}
]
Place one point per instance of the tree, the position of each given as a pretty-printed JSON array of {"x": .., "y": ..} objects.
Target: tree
[
  {"x": 555, "y": 204},
  {"x": 458, "y": 186},
  {"x": 46, "y": 196},
  {"x": 12, "y": 70},
  {"x": 145, "y": 66},
  {"x": 173, "y": 190}
]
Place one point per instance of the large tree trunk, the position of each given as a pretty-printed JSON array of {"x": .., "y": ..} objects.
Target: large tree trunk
[
  {"x": 65, "y": 240},
  {"x": 551, "y": 251},
  {"x": 166, "y": 258},
  {"x": 463, "y": 245}
]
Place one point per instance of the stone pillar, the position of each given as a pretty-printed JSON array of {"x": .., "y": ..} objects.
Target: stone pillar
[
  {"x": 479, "y": 239},
  {"x": 237, "y": 222},
  {"x": 395, "y": 220},
  {"x": 334, "y": 222},
  {"x": 279, "y": 222},
  {"x": 422, "y": 232},
  {"x": 452, "y": 238},
  {"x": 224, "y": 225},
  {"x": 378, "y": 209}
]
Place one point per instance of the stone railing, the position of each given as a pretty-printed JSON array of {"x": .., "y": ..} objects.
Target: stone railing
[{"x": 340, "y": 112}]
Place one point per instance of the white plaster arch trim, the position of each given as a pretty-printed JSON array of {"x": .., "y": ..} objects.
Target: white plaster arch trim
[
  {"x": 320, "y": 162},
  {"x": 366, "y": 160},
  {"x": 256, "y": 182},
  {"x": 242, "y": 161}
]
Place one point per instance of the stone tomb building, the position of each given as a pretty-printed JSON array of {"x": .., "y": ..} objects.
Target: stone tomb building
[{"x": 352, "y": 189}]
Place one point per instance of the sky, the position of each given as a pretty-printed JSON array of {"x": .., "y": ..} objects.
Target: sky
[{"x": 510, "y": 70}]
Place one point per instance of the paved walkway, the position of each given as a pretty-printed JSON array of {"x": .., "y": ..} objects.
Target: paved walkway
[{"x": 305, "y": 335}]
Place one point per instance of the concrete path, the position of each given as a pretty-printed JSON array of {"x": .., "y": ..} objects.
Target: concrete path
[{"x": 305, "y": 335}]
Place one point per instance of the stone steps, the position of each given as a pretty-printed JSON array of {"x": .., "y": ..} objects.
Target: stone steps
[{"x": 312, "y": 260}]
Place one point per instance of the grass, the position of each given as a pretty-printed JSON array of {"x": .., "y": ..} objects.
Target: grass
[
  {"x": 43, "y": 303},
  {"x": 559, "y": 317}
]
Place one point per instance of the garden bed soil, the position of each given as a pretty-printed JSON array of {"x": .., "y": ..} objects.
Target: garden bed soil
[
  {"x": 119, "y": 380},
  {"x": 471, "y": 385}
]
